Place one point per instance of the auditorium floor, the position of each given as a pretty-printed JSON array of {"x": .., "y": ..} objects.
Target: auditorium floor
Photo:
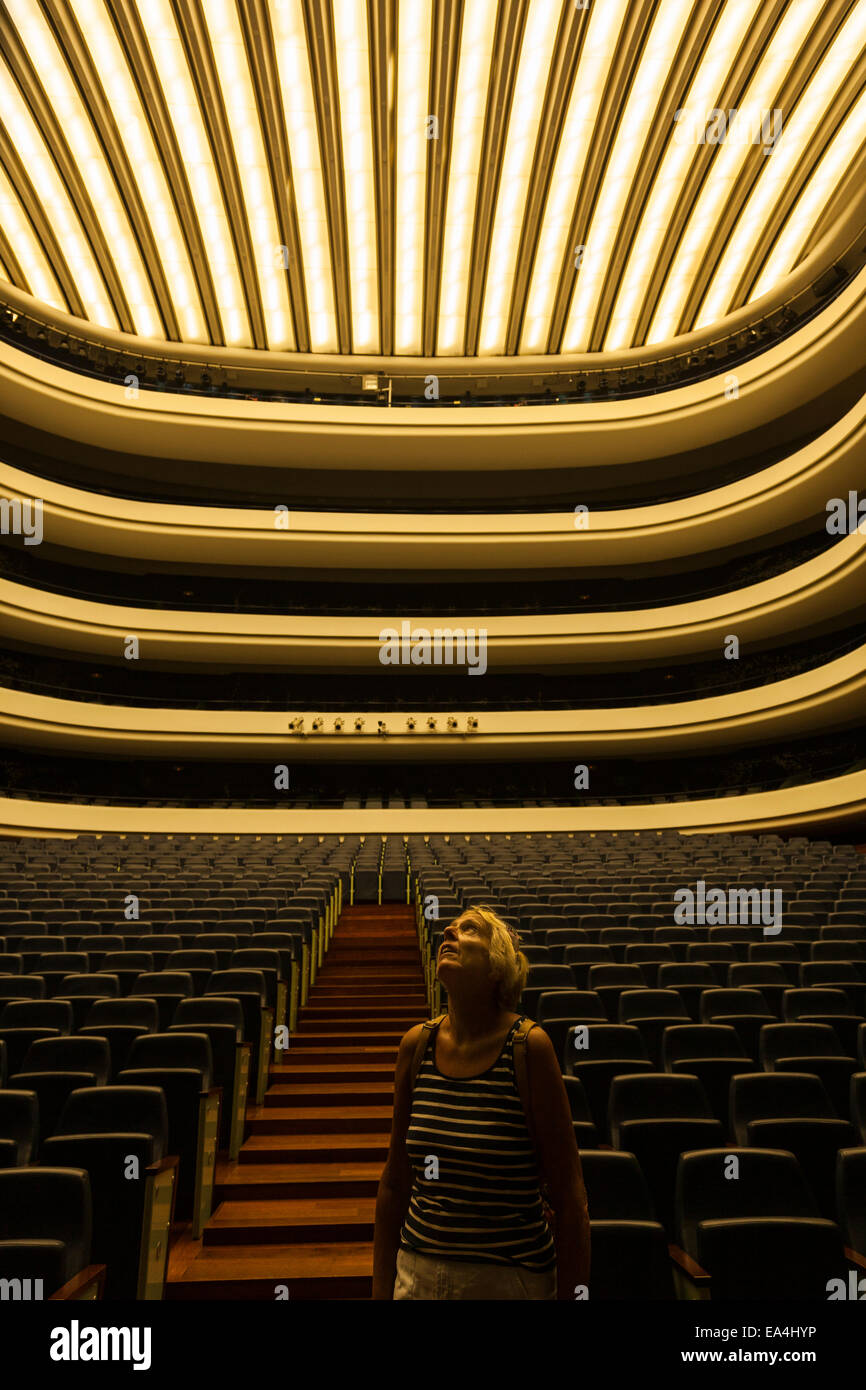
[{"x": 296, "y": 1210}]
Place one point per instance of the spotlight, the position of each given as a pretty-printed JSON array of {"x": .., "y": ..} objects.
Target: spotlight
[
  {"x": 451, "y": 722},
  {"x": 431, "y": 722},
  {"x": 318, "y": 723},
  {"x": 338, "y": 726},
  {"x": 297, "y": 724},
  {"x": 382, "y": 727},
  {"x": 410, "y": 724},
  {"x": 359, "y": 724},
  {"x": 472, "y": 723}
]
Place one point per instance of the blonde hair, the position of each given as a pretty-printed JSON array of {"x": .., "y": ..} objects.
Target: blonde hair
[{"x": 508, "y": 965}]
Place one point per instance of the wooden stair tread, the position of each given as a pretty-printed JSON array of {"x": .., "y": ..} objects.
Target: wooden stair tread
[
  {"x": 303, "y": 1142},
  {"x": 279, "y": 1262},
  {"x": 326, "y": 1173},
  {"x": 300, "y": 1113},
  {"x": 300, "y": 1210}
]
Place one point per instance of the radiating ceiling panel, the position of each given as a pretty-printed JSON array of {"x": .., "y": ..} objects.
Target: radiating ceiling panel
[{"x": 466, "y": 178}]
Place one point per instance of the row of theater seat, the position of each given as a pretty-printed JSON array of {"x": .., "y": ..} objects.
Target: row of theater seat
[{"x": 128, "y": 1051}]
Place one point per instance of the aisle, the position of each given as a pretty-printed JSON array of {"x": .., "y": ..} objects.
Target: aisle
[{"x": 297, "y": 1207}]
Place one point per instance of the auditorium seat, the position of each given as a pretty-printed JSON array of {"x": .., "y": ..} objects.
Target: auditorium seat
[
  {"x": 711, "y": 1052},
  {"x": 792, "y": 1110},
  {"x": 19, "y": 1128},
  {"x": 118, "y": 1135},
  {"x": 77, "y": 1054},
  {"x": 629, "y": 1248},
  {"x": 604, "y": 1050},
  {"x": 651, "y": 1011},
  {"x": 689, "y": 980},
  {"x": 742, "y": 1009},
  {"x": 193, "y": 1126},
  {"x": 248, "y": 987},
  {"x": 166, "y": 988},
  {"x": 46, "y": 1227},
  {"x": 812, "y": 1047},
  {"x": 38, "y": 1013},
  {"x": 857, "y": 1104},
  {"x": 580, "y": 958},
  {"x": 657, "y": 1117},
  {"x": 851, "y": 1200},
  {"x": 749, "y": 1220}
]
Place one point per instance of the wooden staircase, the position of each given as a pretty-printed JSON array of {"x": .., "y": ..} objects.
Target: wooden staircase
[{"x": 297, "y": 1208}]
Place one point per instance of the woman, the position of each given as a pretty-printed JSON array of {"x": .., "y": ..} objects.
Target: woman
[{"x": 459, "y": 1212}]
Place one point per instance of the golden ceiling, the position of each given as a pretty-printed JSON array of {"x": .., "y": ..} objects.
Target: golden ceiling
[{"x": 415, "y": 177}]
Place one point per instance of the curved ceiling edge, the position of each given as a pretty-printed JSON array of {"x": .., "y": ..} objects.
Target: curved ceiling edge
[
  {"x": 788, "y": 492},
  {"x": 827, "y": 585},
  {"x": 829, "y": 696},
  {"x": 789, "y": 373},
  {"x": 837, "y": 802}
]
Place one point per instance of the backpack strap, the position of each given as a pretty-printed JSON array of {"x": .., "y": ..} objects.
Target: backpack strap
[
  {"x": 427, "y": 1031},
  {"x": 521, "y": 1070}
]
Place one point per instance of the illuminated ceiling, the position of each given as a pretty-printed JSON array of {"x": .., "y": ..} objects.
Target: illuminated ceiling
[{"x": 420, "y": 177}]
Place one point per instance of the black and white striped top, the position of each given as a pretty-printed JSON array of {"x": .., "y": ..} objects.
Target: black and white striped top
[{"x": 475, "y": 1184}]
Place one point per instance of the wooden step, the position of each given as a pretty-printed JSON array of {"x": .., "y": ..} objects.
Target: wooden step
[
  {"x": 321, "y": 1119},
  {"x": 292, "y": 1221},
  {"x": 353, "y": 1012},
  {"x": 361, "y": 1027},
  {"x": 260, "y": 1181},
  {"x": 344, "y": 1038},
  {"x": 316, "y": 1148},
  {"x": 293, "y": 1058},
  {"x": 310, "y": 1272},
  {"x": 283, "y": 1095},
  {"x": 334, "y": 1071}
]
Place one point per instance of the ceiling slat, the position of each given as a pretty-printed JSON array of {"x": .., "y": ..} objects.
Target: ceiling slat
[
  {"x": 827, "y": 23},
  {"x": 193, "y": 30},
  {"x": 12, "y": 265},
  {"x": 600, "y": 144},
  {"x": 254, "y": 18},
  {"x": 132, "y": 36},
  {"x": 382, "y": 30},
  {"x": 660, "y": 129},
  {"x": 447, "y": 25},
  {"x": 71, "y": 176},
  {"x": 510, "y": 24},
  {"x": 567, "y": 49},
  {"x": 92, "y": 94},
  {"x": 319, "y": 22},
  {"x": 844, "y": 101},
  {"x": 41, "y": 224},
  {"x": 753, "y": 44}
]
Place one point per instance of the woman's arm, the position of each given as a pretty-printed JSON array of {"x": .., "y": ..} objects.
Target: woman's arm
[
  {"x": 559, "y": 1162},
  {"x": 395, "y": 1184}
]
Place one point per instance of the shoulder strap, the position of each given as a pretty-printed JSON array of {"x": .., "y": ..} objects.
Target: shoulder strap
[
  {"x": 427, "y": 1031},
  {"x": 521, "y": 1070}
]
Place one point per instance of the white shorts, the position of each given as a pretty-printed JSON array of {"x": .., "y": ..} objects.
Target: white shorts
[{"x": 432, "y": 1277}]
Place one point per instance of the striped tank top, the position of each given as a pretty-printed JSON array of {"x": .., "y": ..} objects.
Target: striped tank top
[{"x": 475, "y": 1183}]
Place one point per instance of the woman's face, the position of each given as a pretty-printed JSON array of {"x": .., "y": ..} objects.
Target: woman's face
[{"x": 465, "y": 951}]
